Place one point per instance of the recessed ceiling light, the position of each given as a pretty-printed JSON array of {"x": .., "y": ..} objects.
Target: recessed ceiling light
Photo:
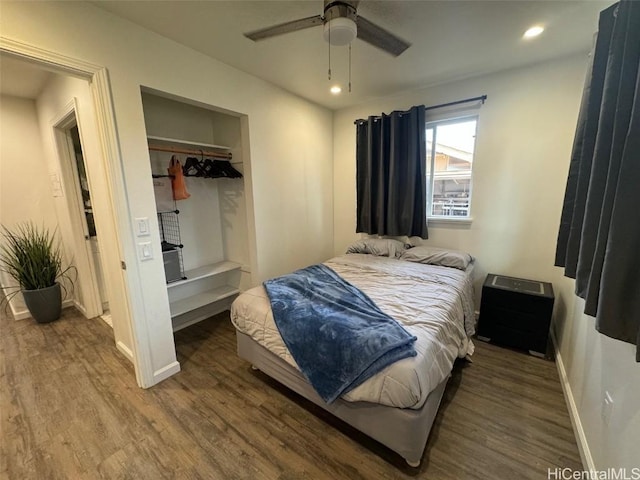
[
  {"x": 336, "y": 89},
  {"x": 533, "y": 31}
]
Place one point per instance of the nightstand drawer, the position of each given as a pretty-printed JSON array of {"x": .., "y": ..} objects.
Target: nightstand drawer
[
  {"x": 512, "y": 337},
  {"x": 515, "y": 318}
]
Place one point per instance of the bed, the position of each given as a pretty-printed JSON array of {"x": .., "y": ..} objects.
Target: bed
[{"x": 433, "y": 302}]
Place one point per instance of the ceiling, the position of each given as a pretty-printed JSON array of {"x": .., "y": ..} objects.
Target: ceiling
[
  {"x": 450, "y": 40},
  {"x": 19, "y": 78}
]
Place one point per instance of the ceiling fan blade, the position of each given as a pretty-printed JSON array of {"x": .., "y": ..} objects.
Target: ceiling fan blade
[
  {"x": 286, "y": 27},
  {"x": 381, "y": 38}
]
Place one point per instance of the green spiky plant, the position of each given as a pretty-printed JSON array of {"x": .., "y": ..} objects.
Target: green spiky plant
[{"x": 33, "y": 258}]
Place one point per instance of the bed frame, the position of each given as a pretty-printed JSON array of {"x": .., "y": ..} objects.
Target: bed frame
[{"x": 403, "y": 430}]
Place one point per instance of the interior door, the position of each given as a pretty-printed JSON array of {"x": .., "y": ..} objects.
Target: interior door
[{"x": 88, "y": 223}]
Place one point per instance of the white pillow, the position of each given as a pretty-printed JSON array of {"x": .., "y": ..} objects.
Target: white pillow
[
  {"x": 437, "y": 256},
  {"x": 382, "y": 247}
]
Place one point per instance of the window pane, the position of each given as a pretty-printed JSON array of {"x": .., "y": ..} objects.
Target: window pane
[{"x": 451, "y": 194}]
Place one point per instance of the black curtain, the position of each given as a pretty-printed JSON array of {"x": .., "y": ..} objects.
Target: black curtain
[
  {"x": 599, "y": 236},
  {"x": 391, "y": 174}
]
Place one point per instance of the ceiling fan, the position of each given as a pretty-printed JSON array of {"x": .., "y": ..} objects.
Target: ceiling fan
[{"x": 341, "y": 25}]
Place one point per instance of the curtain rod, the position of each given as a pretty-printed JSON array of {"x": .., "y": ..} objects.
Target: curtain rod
[
  {"x": 186, "y": 151},
  {"x": 481, "y": 98}
]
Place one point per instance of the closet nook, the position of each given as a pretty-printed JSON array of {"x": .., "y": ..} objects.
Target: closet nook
[{"x": 204, "y": 237}]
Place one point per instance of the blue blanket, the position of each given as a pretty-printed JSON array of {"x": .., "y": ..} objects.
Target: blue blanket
[{"x": 338, "y": 337}]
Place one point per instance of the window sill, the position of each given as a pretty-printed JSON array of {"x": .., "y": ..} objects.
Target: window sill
[{"x": 448, "y": 221}]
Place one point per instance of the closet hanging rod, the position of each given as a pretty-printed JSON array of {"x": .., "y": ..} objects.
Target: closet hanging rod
[{"x": 186, "y": 151}]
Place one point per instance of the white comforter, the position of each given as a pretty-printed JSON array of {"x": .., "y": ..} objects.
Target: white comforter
[{"x": 433, "y": 303}]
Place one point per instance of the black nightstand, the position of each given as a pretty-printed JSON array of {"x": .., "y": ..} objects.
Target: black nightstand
[{"x": 516, "y": 312}]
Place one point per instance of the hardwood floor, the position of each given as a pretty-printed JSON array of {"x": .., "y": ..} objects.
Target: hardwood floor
[{"x": 70, "y": 409}]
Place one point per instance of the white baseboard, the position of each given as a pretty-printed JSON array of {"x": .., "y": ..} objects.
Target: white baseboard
[
  {"x": 126, "y": 351},
  {"x": 159, "y": 375},
  {"x": 166, "y": 372},
  {"x": 22, "y": 313},
  {"x": 80, "y": 308},
  {"x": 106, "y": 318},
  {"x": 578, "y": 430}
]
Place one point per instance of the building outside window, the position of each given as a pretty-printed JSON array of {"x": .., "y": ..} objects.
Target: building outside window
[{"x": 450, "y": 150}]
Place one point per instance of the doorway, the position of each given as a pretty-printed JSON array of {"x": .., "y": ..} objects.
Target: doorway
[
  {"x": 92, "y": 298},
  {"x": 133, "y": 333}
]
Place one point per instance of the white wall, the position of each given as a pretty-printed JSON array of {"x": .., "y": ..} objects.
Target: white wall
[
  {"x": 524, "y": 141},
  {"x": 596, "y": 364},
  {"x": 51, "y": 103},
  {"x": 290, "y": 167},
  {"x": 25, "y": 189}
]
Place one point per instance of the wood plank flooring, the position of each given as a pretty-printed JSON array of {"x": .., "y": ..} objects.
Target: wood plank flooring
[{"x": 70, "y": 409}]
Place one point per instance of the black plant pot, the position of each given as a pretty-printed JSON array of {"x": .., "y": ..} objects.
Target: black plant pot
[{"x": 45, "y": 304}]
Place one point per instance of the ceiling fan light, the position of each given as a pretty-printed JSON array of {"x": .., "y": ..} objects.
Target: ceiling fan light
[{"x": 343, "y": 31}]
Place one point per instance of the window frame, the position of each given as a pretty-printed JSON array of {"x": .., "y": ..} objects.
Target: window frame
[{"x": 430, "y": 170}]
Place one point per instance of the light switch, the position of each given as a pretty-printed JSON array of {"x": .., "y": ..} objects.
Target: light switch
[
  {"x": 142, "y": 227},
  {"x": 56, "y": 185},
  {"x": 144, "y": 251}
]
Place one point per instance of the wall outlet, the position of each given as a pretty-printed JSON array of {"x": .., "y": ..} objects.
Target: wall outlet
[{"x": 607, "y": 408}]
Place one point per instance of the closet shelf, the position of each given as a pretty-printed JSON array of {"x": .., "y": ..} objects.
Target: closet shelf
[
  {"x": 176, "y": 141},
  {"x": 206, "y": 271},
  {"x": 188, "y": 304}
]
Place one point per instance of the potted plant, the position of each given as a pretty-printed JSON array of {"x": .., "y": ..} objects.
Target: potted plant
[{"x": 33, "y": 258}]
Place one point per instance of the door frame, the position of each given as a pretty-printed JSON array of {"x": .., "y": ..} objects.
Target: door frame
[
  {"x": 130, "y": 297},
  {"x": 90, "y": 304}
]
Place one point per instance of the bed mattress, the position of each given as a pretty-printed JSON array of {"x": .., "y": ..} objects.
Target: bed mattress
[{"x": 433, "y": 303}]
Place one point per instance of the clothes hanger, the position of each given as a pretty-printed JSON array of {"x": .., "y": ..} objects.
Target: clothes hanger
[
  {"x": 227, "y": 168},
  {"x": 191, "y": 167},
  {"x": 214, "y": 169},
  {"x": 202, "y": 171}
]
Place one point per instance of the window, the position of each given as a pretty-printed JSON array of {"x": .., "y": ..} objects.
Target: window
[{"x": 450, "y": 148}]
